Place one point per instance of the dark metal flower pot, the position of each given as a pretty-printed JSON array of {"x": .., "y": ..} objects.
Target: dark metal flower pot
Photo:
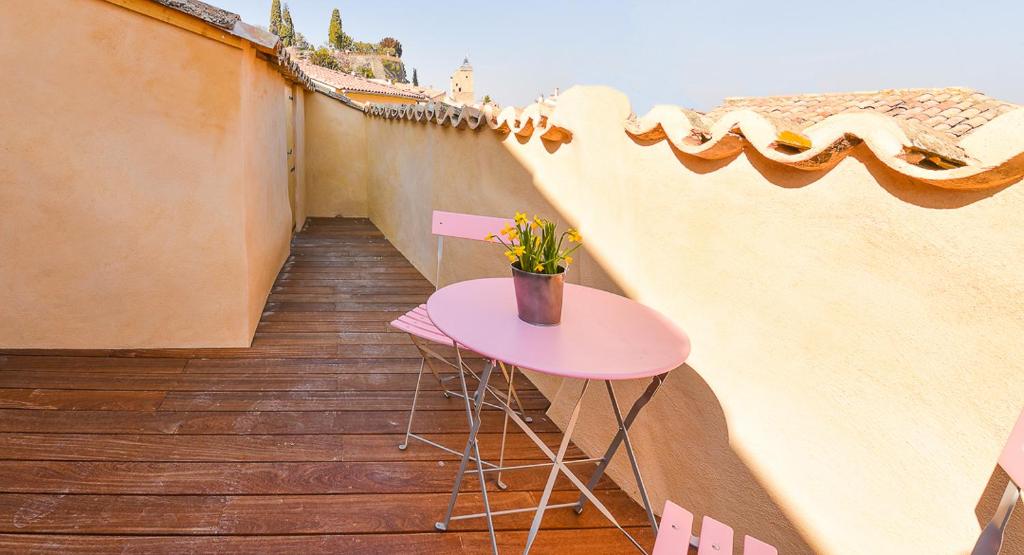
[{"x": 539, "y": 296}]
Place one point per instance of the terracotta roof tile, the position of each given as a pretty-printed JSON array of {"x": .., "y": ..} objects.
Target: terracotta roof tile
[
  {"x": 953, "y": 111},
  {"x": 210, "y": 14},
  {"x": 348, "y": 82}
]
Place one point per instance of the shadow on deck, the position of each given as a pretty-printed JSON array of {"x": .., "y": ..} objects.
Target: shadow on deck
[{"x": 288, "y": 446}]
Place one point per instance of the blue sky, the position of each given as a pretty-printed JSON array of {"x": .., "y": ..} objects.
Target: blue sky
[{"x": 689, "y": 53}]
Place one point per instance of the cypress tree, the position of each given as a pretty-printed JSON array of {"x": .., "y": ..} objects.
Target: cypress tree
[
  {"x": 275, "y": 17},
  {"x": 335, "y": 35},
  {"x": 287, "y": 29},
  {"x": 415, "y": 78}
]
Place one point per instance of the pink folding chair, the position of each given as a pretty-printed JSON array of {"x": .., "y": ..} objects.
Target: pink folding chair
[
  {"x": 675, "y": 536},
  {"x": 425, "y": 335},
  {"x": 1012, "y": 461}
]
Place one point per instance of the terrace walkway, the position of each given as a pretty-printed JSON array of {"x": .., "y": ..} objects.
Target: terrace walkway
[{"x": 287, "y": 446}]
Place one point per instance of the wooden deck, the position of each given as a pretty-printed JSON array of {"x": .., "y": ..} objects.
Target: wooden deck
[{"x": 287, "y": 446}]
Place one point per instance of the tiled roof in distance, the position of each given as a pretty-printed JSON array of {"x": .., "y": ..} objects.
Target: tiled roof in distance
[
  {"x": 348, "y": 82},
  {"x": 953, "y": 111}
]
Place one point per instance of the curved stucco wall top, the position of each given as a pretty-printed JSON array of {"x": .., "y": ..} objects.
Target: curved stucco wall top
[
  {"x": 524, "y": 122},
  {"x": 991, "y": 155}
]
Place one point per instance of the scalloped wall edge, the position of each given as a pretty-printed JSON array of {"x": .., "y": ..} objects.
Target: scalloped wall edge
[
  {"x": 990, "y": 157},
  {"x": 993, "y": 155},
  {"x": 524, "y": 123}
]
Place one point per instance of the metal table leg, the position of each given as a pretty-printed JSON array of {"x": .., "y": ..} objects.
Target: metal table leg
[
  {"x": 560, "y": 466},
  {"x": 550, "y": 485},
  {"x": 558, "y": 463},
  {"x": 632, "y": 458},
  {"x": 620, "y": 437}
]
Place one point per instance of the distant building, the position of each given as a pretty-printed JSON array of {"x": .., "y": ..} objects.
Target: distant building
[
  {"x": 429, "y": 93},
  {"x": 461, "y": 91}
]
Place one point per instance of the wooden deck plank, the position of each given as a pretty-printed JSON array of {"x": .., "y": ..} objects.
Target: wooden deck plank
[
  {"x": 243, "y": 422},
  {"x": 255, "y": 447},
  {"x": 77, "y": 400},
  {"x": 278, "y": 478},
  {"x": 551, "y": 542},
  {"x": 106, "y": 381},
  {"x": 321, "y": 400},
  {"x": 289, "y": 445},
  {"x": 287, "y": 514}
]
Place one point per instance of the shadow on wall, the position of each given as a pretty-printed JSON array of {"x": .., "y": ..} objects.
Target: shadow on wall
[
  {"x": 898, "y": 185},
  {"x": 703, "y": 473},
  {"x": 687, "y": 458}
]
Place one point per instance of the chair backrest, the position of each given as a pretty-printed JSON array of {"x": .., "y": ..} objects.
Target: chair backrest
[
  {"x": 461, "y": 226},
  {"x": 466, "y": 226},
  {"x": 1012, "y": 460},
  {"x": 675, "y": 537}
]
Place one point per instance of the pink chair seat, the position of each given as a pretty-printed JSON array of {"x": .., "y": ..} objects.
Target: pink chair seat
[{"x": 416, "y": 322}]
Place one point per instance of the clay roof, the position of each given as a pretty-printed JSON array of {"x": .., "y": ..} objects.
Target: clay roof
[
  {"x": 267, "y": 43},
  {"x": 952, "y": 111},
  {"x": 354, "y": 83},
  {"x": 210, "y": 14},
  {"x": 428, "y": 93}
]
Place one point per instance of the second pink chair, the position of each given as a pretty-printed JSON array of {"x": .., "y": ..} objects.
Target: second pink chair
[{"x": 425, "y": 336}]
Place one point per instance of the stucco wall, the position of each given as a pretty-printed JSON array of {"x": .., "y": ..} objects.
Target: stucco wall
[
  {"x": 856, "y": 358},
  {"x": 135, "y": 210},
  {"x": 336, "y": 158},
  {"x": 268, "y": 215},
  {"x": 298, "y": 94}
]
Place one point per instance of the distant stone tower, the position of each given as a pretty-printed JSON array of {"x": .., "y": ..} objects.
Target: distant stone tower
[{"x": 462, "y": 83}]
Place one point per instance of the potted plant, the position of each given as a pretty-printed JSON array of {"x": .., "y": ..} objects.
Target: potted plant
[{"x": 539, "y": 256}]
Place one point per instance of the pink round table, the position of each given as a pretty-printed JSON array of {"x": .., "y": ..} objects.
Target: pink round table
[{"x": 602, "y": 336}]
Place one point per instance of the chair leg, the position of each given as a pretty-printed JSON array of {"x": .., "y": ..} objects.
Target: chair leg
[
  {"x": 473, "y": 406},
  {"x": 514, "y": 393},
  {"x": 427, "y": 355},
  {"x": 510, "y": 376},
  {"x": 412, "y": 412}
]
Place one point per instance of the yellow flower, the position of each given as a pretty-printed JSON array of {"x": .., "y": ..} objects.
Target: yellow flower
[
  {"x": 568, "y": 260},
  {"x": 510, "y": 256},
  {"x": 518, "y": 250},
  {"x": 539, "y": 267},
  {"x": 536, "y": 240},
  {"x": 490, "y": 237},
  {"x": 507, "y": 230},
  {"x": 574, "y": 236},
  {"x": 513, "y": 234},
  {"x": 521, "y": 218}
]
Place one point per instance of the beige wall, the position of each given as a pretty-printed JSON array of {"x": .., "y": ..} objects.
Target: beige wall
[
  {"x": 141, "y": 201},
  {"x": 298, "y": 94},
  {"x": 268, "y": 215},
  {"x": 856, "y": 359},
  {"x": 336, "y": 158}
]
